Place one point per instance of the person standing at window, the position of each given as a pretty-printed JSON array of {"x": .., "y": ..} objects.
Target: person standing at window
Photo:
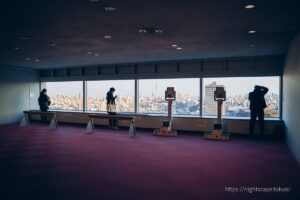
[
  {"x": 44, "y": 102},
  {"x": 257, "y": 106},
  {"x": 111, "y": 107}
]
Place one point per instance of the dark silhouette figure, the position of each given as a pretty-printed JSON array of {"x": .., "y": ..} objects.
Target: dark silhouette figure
[
  {"x": 44, "y": 103},
  {"x": 257, "y": 106},
  {"x": 111, "y": 105}
]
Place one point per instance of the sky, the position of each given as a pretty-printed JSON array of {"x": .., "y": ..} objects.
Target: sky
[
  {"x": 246, "y": 84},
  {"x": 189, "y": 86},
  {"x": 158, "y": 87}
]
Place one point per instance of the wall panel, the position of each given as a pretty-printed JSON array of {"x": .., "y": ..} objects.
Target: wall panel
[
  {"x": 227, "y": 67},
  {"x": 19, "y": 89}
]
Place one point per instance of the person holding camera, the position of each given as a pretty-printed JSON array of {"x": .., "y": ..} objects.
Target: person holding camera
[{"x": 257, "y": 106}]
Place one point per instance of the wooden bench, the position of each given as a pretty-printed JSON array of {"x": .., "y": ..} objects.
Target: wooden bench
[
  {"x": 90, "y": 126},
  {"x": 25, "y": 120}
]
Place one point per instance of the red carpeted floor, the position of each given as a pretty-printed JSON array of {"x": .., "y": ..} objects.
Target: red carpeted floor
[{"x": 37, "y": 163}]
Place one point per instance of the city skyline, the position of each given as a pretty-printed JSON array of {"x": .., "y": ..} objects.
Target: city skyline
[
  {"x": 69, "y": 95},
  {"x": 234, "y": 85},
  {"x": 235, "y": 106}
]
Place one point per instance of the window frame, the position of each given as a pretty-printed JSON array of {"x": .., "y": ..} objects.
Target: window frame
[
  {"x": 280, "y": 86},
  {"x": 164, "y": 114},
  {"x": 86, "y": 95},
  {"x": 42, "y": 85}
]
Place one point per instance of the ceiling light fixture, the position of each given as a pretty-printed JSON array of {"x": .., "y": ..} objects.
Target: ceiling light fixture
[
  {"x": 159, "y": 31},
  {"x": 36, "y": 60},
  {"x": 174, "y": 45},
  {"x": 110, "y": 8},
  {"x": 150, "y": 30},
  {"x": 179, "y": 48},
  {"x": 249, "y": 6},
  {"x": 107, "y": 37},
  {"x": 142, "y": 31},
  {"x": 252, "y": 31},
  {"x": 88, "y": 53},
  {"x": 96, "y": 54}
]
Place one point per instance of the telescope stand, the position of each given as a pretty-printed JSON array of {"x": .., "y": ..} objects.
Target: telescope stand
[
  {"x": 217, "y": 132},
  {"x": 166, "y": 128}
]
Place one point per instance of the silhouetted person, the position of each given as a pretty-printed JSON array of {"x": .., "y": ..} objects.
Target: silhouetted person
[
  {"x": 257, "y": 106},
  {"x": 111, "y": 107},
  {"x": 44, "y": 103}
]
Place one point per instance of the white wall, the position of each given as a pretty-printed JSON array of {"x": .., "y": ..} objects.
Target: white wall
[
  {"x": 291, "y": 96},
  {"x": 19, "y": 90}
]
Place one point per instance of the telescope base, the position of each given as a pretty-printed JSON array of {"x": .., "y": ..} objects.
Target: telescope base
[
  {"x": 164, "y": 131},
  {"x": 216, "y": 135}
]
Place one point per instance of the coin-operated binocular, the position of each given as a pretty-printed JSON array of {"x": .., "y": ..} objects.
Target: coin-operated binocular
[
  {"x": 166, "y": 128},
  {"x": 217, "y": 132}
]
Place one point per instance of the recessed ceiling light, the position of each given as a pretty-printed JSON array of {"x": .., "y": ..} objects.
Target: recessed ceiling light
[
  {"x": 252, "y": 31},
  {"x": 96, "y": 54},
  {"x": 36, "y": 60},
  {"x": 249, "y": 6},
  {"x": 179, "y": 48},
  {"x": 89, "y": 53},
  {"x": 109, "y": 8},
  {"x": 174, "y": 45},
  {"x": 107, "y": 37}
]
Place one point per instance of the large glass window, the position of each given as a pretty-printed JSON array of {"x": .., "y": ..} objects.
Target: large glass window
[
  {"x": 96, "y": 95},
  {"x": 237, "y": 90},
  {"x": 65, "y": 95},
  {"x": 151, "y": 99},
  {"x": 152, "y": 96}
]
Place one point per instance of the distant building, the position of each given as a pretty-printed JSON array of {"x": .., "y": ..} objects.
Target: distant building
[
  {"x": 210, "y": 105},
  {"x": 235, "y": 105}
]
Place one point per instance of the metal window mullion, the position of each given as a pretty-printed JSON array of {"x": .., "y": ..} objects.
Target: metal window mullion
[
  {"x": 201, "y": 97},
  {"x": 84, "y": 96},
  {"x": 280, "y": 96},
  {"x": 136, "y": 96}
]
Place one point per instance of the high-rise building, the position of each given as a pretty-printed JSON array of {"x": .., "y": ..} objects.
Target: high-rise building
[{"x": 210, "y": 105}]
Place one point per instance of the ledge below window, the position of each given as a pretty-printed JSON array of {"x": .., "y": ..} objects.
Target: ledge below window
[{"x": 162, "y": 115}]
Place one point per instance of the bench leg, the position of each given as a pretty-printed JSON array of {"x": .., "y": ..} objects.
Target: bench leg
[
  {"x": 53, "y": 123},
  {"x": 90, "y": 126},
  {"x": 131, "y": 130},
  {"x": 56, "y": 123},
  {"x": 24, "y": 121}
]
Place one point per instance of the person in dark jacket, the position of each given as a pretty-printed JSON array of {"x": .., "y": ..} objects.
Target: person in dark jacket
[
  {"x": 44, "y": 102},
  {"x": 257, "y": 106},
  {"x": 111, "y": 105}
]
